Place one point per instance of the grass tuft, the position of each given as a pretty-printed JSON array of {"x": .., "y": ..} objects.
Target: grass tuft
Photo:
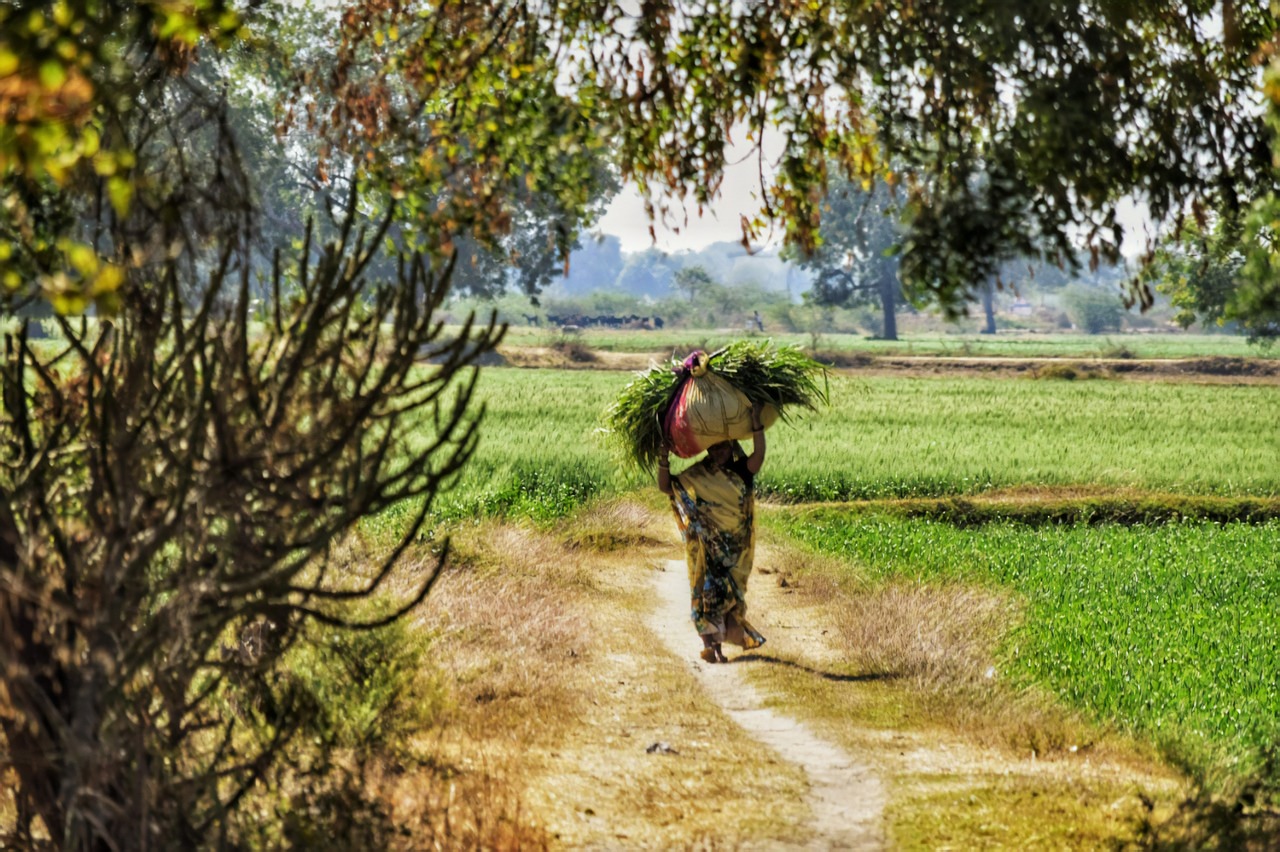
[{"x": 611, "y": 526}]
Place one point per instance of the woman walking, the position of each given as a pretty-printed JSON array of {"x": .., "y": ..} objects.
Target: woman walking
[{"x": 714, "y": 504}]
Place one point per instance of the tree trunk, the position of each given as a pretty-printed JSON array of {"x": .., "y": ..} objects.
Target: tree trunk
[
  {"x": 888, "y": 292},
  {"x": 988, "y": 307}
]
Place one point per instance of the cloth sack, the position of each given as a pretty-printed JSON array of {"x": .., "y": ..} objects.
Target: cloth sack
[{"x": 708, "y": 409}]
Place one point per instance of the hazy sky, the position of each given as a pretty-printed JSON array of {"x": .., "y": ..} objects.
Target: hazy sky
[
  {"x": 626, "y": 219},
  {"x": 739, "y": 196}
]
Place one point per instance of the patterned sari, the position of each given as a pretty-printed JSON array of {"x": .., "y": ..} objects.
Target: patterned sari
[{"x": 714, "y": 509}]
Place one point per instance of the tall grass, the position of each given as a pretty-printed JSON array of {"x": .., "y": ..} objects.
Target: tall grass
[{"x": 1167, "y": 631}]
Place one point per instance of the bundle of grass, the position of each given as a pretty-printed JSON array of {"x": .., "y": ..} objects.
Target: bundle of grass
[{"x": 783, "y": 378}]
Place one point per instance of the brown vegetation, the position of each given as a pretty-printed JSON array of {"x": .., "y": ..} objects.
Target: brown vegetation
[{"x": 557, "y": 691}]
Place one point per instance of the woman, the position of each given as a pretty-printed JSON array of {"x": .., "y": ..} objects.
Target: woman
[{"x": 714, "y": 507}]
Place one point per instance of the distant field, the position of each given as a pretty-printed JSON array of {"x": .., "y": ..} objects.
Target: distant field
[
  {"x": 895, "y": 437},
  {"x": 1014, "y": 345},
  {"x": 541, "y": 452},
  {"x": 1167, "y": 631}
]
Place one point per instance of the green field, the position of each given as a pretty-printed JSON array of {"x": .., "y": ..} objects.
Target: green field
[
  {"x": 1166, "y": 631},
  {"x": 541, "y": 451},
  {"x": 1011, "y": 345}
]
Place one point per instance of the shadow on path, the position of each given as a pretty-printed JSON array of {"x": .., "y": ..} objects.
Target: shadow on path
[{"x": 862, "y": 677}]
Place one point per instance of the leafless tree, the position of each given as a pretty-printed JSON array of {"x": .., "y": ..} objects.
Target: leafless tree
[{"x": 173, "y": 482}]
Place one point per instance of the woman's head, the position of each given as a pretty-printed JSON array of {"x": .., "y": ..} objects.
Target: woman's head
[{"x": 722, "y": 453}]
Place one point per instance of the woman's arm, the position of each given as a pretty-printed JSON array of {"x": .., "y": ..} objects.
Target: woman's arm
[
  {"x": 756, "y": 460},
  {"x": 664, "y": 471}
]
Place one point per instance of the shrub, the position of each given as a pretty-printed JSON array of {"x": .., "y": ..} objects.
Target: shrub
[
  {"x": 1057, "y": 371},
  {"x": 371, "y": 688},
  {"x": 1093, "y": 310}
]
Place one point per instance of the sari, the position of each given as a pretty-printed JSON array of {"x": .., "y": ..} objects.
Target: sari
[{"x": 714, "y": 508}]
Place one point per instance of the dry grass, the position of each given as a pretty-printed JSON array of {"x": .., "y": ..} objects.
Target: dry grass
[
  {"x": 898, "y": 674},
  {"x": 940, "y": 637},
  {"x": 468, "y": 805},
  {"x": 511, "y": 626},
  {"x": 556, "y": 680},
  {"x": 620, "y": 526},
  {"x": 568, "y": 355},
  {"x": 933, "y": 648}
]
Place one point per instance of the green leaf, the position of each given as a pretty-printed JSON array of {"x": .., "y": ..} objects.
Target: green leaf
[
  {"x": 52, "y": 74},
  {"x": 120, "y": 191}
]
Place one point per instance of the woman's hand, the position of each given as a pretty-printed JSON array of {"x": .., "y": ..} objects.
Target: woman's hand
[
  {"x": 756, "y": 460},
  {"x": 664, "y": 467}
]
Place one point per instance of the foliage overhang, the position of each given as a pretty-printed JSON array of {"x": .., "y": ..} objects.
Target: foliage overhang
[{"x": 1014, "y": 128}]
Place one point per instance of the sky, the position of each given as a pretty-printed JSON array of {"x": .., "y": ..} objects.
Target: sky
[
  {"x": 740, "y": 192},
  {"x": 626, "y": 219},
  {"x": 740, "y": 195}
]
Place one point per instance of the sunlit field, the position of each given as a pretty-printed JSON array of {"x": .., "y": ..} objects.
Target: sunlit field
[
  {"x": 542, "y": 452},
  {"x": 1166, "y": 631}
]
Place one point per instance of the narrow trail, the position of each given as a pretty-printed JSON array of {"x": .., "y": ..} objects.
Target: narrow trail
[{"x": 846, "y": 797}]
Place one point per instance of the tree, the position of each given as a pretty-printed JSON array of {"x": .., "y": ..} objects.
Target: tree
[
  {"x": 854, "y": 261},
  {"x": 692, "y": 281},
  {"x": 1093, "y": 309},
  {"x": 178, "y": 467},
  {"x": 594, "y": 266},
  {"x": 1220, "y": 272},
  {"x": 182, "y": 489},
  {"x": 537, "y": 248},
  {"x": 647, "y": 273},
  {"x": 988, "y": 307},
  {"x": 1020, "y": 127},
  {"x": 1256, "y": 302},
  {"x": 1200, "y": 272}
]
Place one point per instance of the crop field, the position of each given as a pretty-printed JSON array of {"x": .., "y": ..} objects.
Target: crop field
[
  {"x": 541, "y": 451},
  {"x": 1166, "y": 631},
  {"x": 1010, "y": 345}
]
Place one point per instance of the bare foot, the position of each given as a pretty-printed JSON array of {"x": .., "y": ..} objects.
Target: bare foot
[
  {"x": 720, "y": 657},
  {"x": 709, "y": 655}
]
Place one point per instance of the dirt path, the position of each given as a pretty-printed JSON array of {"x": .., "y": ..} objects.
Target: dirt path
[{"x": 846, "y": 797}]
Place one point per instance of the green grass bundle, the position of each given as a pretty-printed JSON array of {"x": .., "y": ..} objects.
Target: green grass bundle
[{"x": 783, "y": 377}]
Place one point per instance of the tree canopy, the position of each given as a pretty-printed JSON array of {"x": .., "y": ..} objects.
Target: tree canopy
[
  {"x": 175, "y": 472},
  {"x": 1013, "y": 130},
  {"x": 1017, "y": 128}
]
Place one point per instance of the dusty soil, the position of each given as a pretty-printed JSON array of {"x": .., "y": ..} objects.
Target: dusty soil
[
  {"x": 845, "y": 797},
  {"x": 597, "y": 715},
  {"x": 1215, "y": 370}
]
